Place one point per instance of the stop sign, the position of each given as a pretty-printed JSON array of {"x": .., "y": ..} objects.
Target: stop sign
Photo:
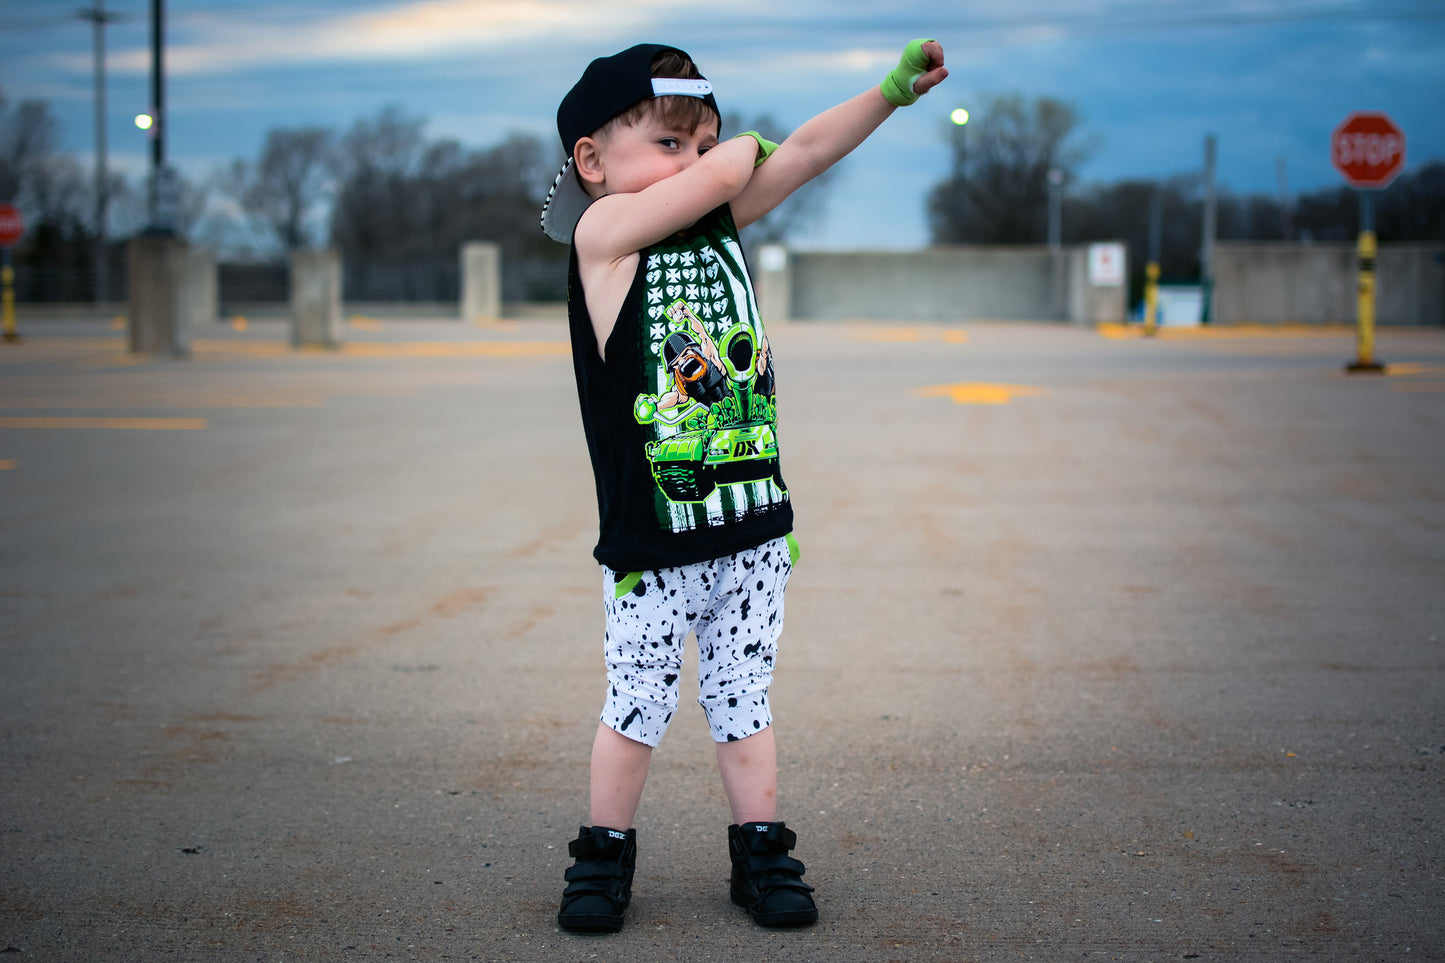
[
  {"x": 11, "y": 225},
  {"x": 1368, "y": 149}
]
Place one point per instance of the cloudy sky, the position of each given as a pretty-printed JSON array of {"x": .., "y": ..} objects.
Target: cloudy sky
[{"x": 1269, "y": 78}]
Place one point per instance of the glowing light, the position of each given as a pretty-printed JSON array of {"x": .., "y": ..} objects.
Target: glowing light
[
  {"x": 144, "y": 121},
  {"x": 959, "y": 116}
]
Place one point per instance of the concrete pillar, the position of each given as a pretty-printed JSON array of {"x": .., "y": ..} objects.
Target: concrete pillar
[
  {"x": 158, "y": 318},
  {"x": 316, "y": 298},
  {"x": 774, "y": 283},
  {"x": 202, "y": 287},
  {"x": 481, "y": 281}
]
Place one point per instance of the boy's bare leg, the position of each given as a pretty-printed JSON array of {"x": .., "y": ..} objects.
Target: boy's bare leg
[
  {"x": 619, "y": 771},
  {"x": 749, "y": 770}
]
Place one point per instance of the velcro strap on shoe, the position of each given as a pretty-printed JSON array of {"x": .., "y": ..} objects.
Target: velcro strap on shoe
[
  {"x": 776, "y": 833},
  {"x": 776, "y": 883},
  {"x": 776, "y": 865},
  {"x": 595, "y": 871}
]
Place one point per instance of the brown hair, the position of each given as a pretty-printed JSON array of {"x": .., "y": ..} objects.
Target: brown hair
[{"x": 688, "y": 113}]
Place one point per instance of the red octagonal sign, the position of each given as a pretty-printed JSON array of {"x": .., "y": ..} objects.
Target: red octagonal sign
[
  {"x": 1368, "y": 149},
  {"x": 12, "y": 227}
]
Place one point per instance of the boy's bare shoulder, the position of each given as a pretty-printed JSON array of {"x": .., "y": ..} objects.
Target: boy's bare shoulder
[{"x": 606, "y": 279}]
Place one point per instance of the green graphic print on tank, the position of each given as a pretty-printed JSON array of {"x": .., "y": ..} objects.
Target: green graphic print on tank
[{"x": 713, "y": 448}]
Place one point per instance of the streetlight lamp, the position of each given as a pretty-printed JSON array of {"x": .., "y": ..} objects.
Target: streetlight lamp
[{"x": 959, "y": 116}]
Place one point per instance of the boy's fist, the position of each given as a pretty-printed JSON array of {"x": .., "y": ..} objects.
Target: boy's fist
[{"x": 919, "y": 70}]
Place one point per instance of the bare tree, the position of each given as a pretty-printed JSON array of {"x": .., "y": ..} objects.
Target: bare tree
[
  {"x": 998, "y": 189},
  {"x": 283, "y": 192},
  {"x": 29, "y": 144},
  {"x": 372, "y": 213},
  {"x": 47, "y": 185}
]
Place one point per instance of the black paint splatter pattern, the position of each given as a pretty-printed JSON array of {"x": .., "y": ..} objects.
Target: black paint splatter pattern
[{"x": 734, "y": 604}]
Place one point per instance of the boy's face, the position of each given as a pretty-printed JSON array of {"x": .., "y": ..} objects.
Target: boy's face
[{"x": 631, "y": 157}]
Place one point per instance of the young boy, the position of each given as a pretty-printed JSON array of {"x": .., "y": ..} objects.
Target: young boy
[{"x": 675, "y": 379}]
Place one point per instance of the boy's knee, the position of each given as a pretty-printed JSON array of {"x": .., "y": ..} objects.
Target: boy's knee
[
  {"x": 737, "y": 714},
  {"x": 637, "y": 719},
  {"x": 641, "y": 700}
]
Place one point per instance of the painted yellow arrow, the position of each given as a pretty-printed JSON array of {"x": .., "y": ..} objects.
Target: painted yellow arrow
[{"x": 980, "y": 393}]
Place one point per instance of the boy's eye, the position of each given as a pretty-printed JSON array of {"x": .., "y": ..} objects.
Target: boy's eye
[
  {"x": 704, "y": 150},
  {"x": 669, "y": 142}
]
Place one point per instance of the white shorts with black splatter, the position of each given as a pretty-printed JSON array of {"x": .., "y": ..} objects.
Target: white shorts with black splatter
[{"x": 735, "y": 606}]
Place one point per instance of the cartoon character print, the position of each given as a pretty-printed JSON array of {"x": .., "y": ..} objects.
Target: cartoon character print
[
  {"x": 725, "y": 434},
  {"x": 713, "y": 450},
  {"x": 698, "y": 378}
]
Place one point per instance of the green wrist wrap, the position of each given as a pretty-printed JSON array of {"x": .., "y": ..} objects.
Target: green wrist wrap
[
  {"x": 765, "y": 146},
  {"x": 897, "y": 87}
]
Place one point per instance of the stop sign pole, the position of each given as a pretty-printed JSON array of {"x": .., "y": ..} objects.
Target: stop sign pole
[
  {"x": 12, "y": 228},
  {"x": 1368, "y": 150}
]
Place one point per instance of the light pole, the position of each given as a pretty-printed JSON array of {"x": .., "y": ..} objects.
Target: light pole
[
  {"x": 1056, "y": 206},
  {"x": 161, "y": 197},
  {"x": 99, "y": 18},
  {"x": 1206, "y": 244},
  {"x": 1056, "y": 192},
  {"x": 959, "y": 184},
  {"x": 959, "y": 116}
]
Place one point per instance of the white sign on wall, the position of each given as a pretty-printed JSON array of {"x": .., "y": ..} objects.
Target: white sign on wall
[{"x": 1106, "y": 265}]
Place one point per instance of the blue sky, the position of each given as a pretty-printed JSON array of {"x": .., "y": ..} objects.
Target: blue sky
[{"x": 1270, "y": 78}]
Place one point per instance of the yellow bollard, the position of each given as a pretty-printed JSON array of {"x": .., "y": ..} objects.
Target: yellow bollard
[
  {"x": 1365, "y": 362},
  {"x": 1151, "y": 298},
  {"x": 7, "y": 301}
]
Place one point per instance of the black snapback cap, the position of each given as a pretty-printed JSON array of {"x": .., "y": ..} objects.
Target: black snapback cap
[{"x": 609, "y": 86}]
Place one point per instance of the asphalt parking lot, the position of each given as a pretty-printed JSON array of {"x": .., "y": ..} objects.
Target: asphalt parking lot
[{"x": 1100, "y": 647}]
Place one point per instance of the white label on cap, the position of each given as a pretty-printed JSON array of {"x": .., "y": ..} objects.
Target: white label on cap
[{"x": 680, "y": 87}]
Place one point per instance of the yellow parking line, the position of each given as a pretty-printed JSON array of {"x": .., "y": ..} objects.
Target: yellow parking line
[
  {"x": 448, "y": 349},
  {"x": 198, "y": 400},
  {"x": 980, "y": 393},
  {"x": 1118, "y": 332},
  {"x": 897, "y": 334},
  {"x": 1414, "y": 368},
  {"x": 162, "y": 424},
  {"x": 7, "y": 464},
  {"x": 206, "y": 347}
]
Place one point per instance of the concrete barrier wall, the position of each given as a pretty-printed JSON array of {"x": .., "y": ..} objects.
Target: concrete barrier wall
[
  {"x": 948, "y": 283},
  {"x": 1410, "y": 284},
  {"x": 1315, "y": 284}
]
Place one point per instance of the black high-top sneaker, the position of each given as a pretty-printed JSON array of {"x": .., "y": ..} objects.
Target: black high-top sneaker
[
  {"x": 599, "y": 884},
  {"x": 766, "y": 880}
]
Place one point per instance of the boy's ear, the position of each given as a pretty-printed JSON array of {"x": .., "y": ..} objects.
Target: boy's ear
[{"x": 588, "y": 160}]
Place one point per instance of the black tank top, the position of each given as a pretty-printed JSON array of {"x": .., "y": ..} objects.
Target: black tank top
[{"x": 681, "y": 419}]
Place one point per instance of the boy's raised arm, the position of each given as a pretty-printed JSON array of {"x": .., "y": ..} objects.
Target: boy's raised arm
[{"x": 821, "y": 142}]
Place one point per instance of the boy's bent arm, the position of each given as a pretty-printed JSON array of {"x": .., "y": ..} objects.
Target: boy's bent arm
[
  {"x": 823, "y": 141},
  {"x": 618, "y": 225}
]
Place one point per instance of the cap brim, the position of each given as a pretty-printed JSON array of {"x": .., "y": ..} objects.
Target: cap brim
[{"x": 564, "y": 205}]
